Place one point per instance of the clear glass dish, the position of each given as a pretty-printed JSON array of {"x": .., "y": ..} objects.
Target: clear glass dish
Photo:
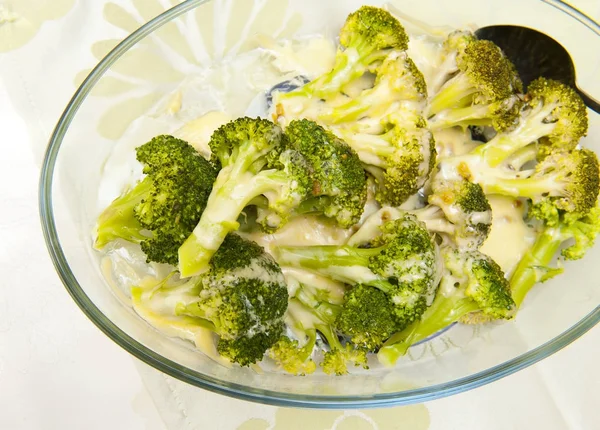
[{"x": 140, "y": 70}]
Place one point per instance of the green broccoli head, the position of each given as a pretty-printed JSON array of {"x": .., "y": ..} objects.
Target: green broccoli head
[
  {"x": 467, "y": 214},
  {"x": 244, "y": 295},
  {"x": 293, "y": 358},
  {"x": 167, "y": 203},
  {"x": 486, "y": 286},
  {"x": 249, "y": 349},
  {"x": 367, "y": 317},
  {"x": 557, "y": 112},
  {"x": 408, "y": 260},
  {"x": 371, "y": 29},
  {"x": 488, "y": 69},
  {"x": 484, "y": 76},
  {"x": 251, "y": 138},
  {"x": 336, "y": 361},
  {"x": 339, "y": 183},
  {"x": 409, "y": 167},
  {"x": 572, "y": 184},
  {"x": 400, "y": 158}
]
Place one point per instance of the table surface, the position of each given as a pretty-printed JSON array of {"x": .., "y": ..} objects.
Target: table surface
[{"x": 58, "y": 371}]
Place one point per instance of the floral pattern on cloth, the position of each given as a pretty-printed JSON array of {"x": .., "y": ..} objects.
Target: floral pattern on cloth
[
  {"x": 156, "y": 65},
  {"x": 20, "y": 20},
  {"x": 413, "y": 417}
]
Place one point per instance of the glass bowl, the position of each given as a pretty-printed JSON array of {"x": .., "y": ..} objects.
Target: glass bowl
[{"x": 181, "y": 42}]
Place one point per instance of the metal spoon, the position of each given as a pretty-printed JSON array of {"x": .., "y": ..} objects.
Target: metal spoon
[{"x": 535, "y": 54}]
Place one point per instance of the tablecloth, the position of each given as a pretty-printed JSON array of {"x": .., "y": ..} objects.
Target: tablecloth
[{"x": 57, "y": 371}]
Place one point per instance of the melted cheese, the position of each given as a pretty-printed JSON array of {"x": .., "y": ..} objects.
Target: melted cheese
[{"x": 510, "y": 236}]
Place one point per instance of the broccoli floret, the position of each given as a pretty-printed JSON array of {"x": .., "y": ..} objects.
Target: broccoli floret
[
  {"x": 401, "y": 262},
  {"x": 336, "y": 360},
  {"x": 561, "y": 181},
  {"x": 400, "y": 158},
  {"x": 339, "y": 187},
  {"x": 578, "y": 230},
  {"x": 398, "y": 80},
  {"x": 243, "y": 295},
  {"x": 366, "y": 38},
  {"x": 254, "y": 162},
  {"x": 454, "y": 44},
  {"x": 472, "y": 282},
  {"x": 458, "y": 209},
  {"x": 367, "y": 317},
  {"x": 311, "y": 313},
  {"x": 161, "y": 211},
  {"x": 553, "y": 113},
  {"x": 484, "y": 76},
  {"x": 316, "y": 305},
  {"x": 293, "y": 358}
]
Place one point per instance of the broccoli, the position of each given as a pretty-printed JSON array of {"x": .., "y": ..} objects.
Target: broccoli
[
  {"x": 458, "y": 209},
  {"x": 366, "y": 38},
  {"x": 243, "y": 295},
  {"x": 578, "y": 230},
  {"x": 560, "y": 181},
  {"x": 484, "y": 76},
  {"x": 253, "y": 161},
  {"x": 161, "y": 211},
  {"x": 472, "y": 282},
  {"x": 401, "y": 262},
  {"x": 553, "y": 114},
  {"x": 339, "y": 188},
  {"x": 292, "y": 357},
  {"x": 400, "y": 159},
  {"x": 398, "y": 80},
  {"x": 310, "y": 312},
  {"x": 367, "y": 317}
]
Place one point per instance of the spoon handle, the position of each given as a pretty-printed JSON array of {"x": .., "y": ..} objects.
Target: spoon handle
[{"x": 589, "y": 101}]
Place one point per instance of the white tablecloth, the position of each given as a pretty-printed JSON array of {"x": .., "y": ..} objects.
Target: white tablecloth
[{"x": 57, "y": 371}]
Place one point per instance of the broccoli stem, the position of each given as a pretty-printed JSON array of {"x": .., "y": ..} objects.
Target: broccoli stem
[
  {"x": 526, "y": 187},
  {"x": 236, "y": 186},
  {"x": 442, "y": 312},
  {"x": 532, "y": 267},
  {"x": 332, "y": 338},
  {"x": 522, "y": 157},
  {"x": 456, "y": 93},
  {"x": 326, "y": 312},
  {"x": 118, "y": 220},
  {"x": 476, "y": 115},
  {"x": 330, "y": 83},
  {"x": 335, "y": 262},
  {"x": 307, "y": 349}
]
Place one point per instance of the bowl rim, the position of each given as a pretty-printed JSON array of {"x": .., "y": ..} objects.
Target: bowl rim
[{"x": 234, "y": 390}]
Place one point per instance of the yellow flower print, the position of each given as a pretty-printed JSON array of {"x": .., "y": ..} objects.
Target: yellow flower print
[
  {"x": 20, "y": 20},
  {"x": 156, "y": 65},
  {"x": 413, "y": 417}
]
